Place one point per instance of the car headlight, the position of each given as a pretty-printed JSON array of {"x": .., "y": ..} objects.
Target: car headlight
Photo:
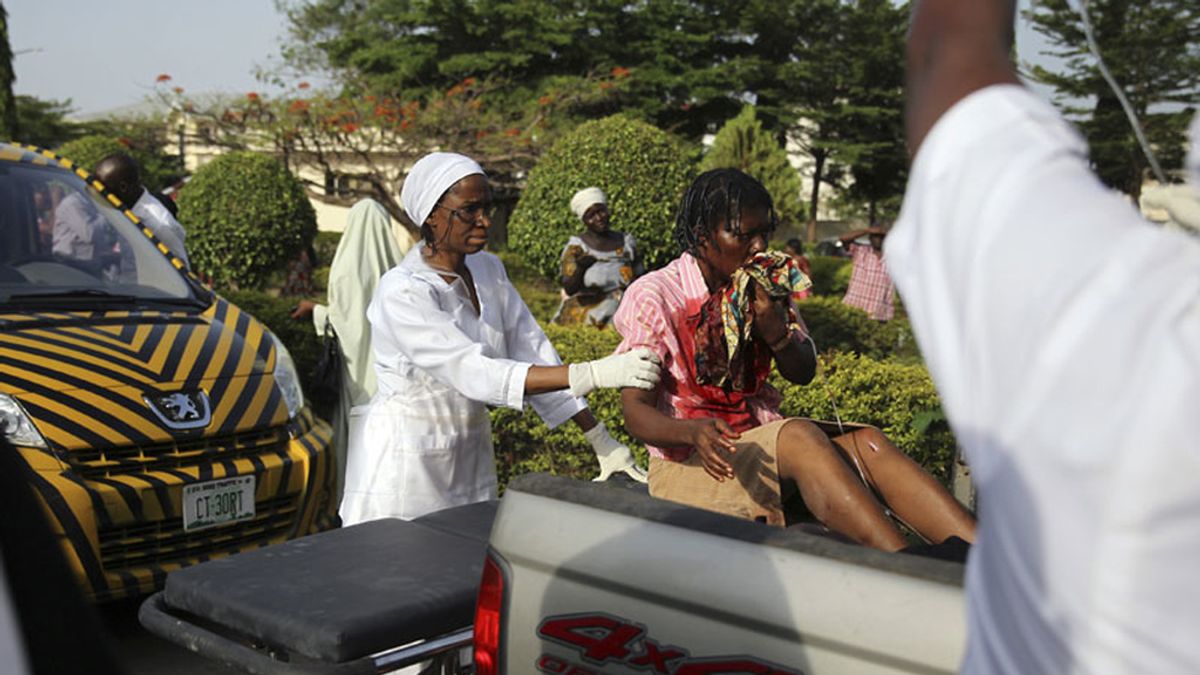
[
  {"x": 287, "y": 379},
  {"x": 16, "y": 425}
]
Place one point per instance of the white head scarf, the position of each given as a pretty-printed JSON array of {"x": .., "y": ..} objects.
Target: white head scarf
[
  {"x": 586, "y": 199},
  {"x": 429, "y": 179}
]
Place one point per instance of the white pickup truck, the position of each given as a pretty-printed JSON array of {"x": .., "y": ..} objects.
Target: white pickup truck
[
  {"x": 582, "y": 578},
  {"x": 578, "y": 578}
]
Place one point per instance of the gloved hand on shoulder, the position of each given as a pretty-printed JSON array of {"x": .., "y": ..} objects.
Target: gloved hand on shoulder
[
  {"x": 635, "y": 368},
  {"x": 614, "y": 456}
]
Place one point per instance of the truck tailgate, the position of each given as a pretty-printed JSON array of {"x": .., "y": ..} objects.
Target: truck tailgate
[{"x": 609, "y": 580}]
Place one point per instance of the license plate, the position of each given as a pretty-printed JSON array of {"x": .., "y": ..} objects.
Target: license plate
[{"x": 216, "y": 502}]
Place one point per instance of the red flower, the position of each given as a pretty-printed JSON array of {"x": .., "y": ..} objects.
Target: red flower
[
  {"x": 620, "y": 72},
  {"x": 349, "y": 127},
  {"x": 469, "y": 82},
  {"x": 298, "y": 106},
  {"x": 177, "y": 90},
  {"x": 303, "y": 85},
  {"x": 405, "y": 124},
  {"x": 545, "y": 100},
  {"x": 163, "y": 77},
  {"x": 512, "y": 132},
  {"x": 251, "y": 96}
]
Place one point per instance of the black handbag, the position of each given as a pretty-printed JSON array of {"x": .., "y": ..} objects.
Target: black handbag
[{"x": 328, "y": 373}]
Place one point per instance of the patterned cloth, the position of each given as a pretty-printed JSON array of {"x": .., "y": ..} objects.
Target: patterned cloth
[
  {"x": 661, "y": 311},
  {"x": 871, "y": 288},
  {"x": 603, "y": 283},
  {"x": 727, "y": 355}
]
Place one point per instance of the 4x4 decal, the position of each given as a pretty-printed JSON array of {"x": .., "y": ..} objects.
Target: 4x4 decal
[{"x": 601, "y": 639}]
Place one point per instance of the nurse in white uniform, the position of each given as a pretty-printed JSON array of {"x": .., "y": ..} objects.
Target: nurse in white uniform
[{"x": 450, "y": 337}]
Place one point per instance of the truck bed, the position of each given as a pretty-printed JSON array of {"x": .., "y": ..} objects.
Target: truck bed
[{"x": 599, "y": 579}]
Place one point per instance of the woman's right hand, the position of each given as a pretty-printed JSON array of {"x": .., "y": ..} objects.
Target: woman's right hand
[{"x": 712, "y": 438}]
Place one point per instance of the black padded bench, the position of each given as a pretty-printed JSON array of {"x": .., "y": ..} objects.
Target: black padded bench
[{"x": 343, "y": 601}]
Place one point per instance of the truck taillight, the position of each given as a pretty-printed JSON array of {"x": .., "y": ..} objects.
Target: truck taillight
[{"x": 487, "y": 619}]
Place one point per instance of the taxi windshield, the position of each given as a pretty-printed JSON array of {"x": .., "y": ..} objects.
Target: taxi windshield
[{"x": 64, "y": 246}]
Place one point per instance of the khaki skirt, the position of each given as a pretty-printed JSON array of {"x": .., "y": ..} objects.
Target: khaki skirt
[{"x": 753, "y": 493}]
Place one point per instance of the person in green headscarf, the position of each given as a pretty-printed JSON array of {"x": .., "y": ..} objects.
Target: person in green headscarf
[{"x": 368, "y": 248}]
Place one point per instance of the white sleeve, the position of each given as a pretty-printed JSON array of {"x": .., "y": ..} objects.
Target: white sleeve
[
  {"x": 527, "y": 342},
  {"x": 410, "y": 320},
  {"x": 1013, "y": 259}
]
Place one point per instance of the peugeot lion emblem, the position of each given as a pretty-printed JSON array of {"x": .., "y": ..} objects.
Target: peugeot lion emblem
[{"x": 181, "y": 409}]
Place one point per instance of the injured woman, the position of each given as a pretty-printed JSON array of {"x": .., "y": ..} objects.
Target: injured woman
[{"x": 718, "y": 316}]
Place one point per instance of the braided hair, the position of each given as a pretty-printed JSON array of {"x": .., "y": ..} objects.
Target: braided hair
[{"x": 716, "y": 195}]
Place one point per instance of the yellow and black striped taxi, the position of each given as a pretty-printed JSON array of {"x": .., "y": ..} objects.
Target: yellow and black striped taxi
[{"x": 164, "y": 425}]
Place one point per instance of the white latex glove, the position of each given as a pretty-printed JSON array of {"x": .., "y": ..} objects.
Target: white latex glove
[
  {"x": 635, "y": 368},
  {"x": 613, "y": 455}
]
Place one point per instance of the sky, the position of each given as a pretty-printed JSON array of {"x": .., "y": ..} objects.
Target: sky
[{"x": 106, "y": 55}]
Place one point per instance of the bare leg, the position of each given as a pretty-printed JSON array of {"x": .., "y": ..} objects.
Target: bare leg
[
  {"x": 915, "y": 497},
  {"x": 832, "y": 492}
]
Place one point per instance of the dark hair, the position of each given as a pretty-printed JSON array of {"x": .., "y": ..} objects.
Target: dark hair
[
  {"x": 716, "y": 195},
  {"x": 796, "y": 245}
]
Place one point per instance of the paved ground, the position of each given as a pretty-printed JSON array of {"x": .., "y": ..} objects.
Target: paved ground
[{"x": 142, "y": 653}]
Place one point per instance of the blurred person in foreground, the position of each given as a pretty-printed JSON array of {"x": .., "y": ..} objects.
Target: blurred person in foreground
[{"x": 1072, "y": 384}]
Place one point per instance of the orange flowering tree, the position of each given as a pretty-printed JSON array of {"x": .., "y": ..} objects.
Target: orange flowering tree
[{"x": 346, "y": 147}]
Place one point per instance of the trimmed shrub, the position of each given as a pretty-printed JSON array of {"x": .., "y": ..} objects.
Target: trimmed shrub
[
  {"x": 325, "y": 245},
  {"x": 643, "y": 170},
  {"x": 540, "y": 294},
  {"x": 298, "y": 336},
  {"x": 743, "y": 144},
  {"x": 839, "y": 327},
  {"x": 830, "y": 274},
  {"x": 155, "y": 169},
  {"x": 899, "y": 398},
  {"x": 247, "y": 216},
  {"x": 88, "y": 150}
]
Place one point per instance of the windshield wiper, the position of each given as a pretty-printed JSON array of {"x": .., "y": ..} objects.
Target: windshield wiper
[{"x": 76, "y": 295}]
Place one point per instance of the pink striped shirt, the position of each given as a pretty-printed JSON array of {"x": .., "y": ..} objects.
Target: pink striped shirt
[
  {"x": 659, "y": 311},
  {"x": 871, "y": 288}
]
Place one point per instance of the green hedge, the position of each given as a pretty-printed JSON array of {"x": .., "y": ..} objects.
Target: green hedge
[
  {"x": 899, "y": 398},
  {"x": 643, "y": 170},
  {"x": 839, "y": 327},
  {"x": 246, "y": 216},
  {"x": 830, "y": 275},
  {"x": 155, "y": 169}
]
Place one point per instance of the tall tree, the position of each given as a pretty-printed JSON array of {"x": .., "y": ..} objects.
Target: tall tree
[
  {"x": 743, "y": 144},
  {"x": 8, "y": 104},
  {"x": 1152, "y": 48},
  {"x": 875, "y": 150},
  {"x": 828, "y": 71},
  {"x": 44, "y": 122},
  {"x": 675, "y": 51}
]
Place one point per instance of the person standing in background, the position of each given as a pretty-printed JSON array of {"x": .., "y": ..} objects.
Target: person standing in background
[
  {"x": 119, "y": 173},
  {"x": 365, "y": 252},
  {"x": 870, "y": 288}
]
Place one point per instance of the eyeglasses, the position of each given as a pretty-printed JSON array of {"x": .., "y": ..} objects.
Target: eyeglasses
[{"x": 471, "y": 214}]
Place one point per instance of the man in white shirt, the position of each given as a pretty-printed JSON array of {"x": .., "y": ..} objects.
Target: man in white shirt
[
  {"x": 119, "y": 173},
  {"x": 1063, "y": 332}
]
